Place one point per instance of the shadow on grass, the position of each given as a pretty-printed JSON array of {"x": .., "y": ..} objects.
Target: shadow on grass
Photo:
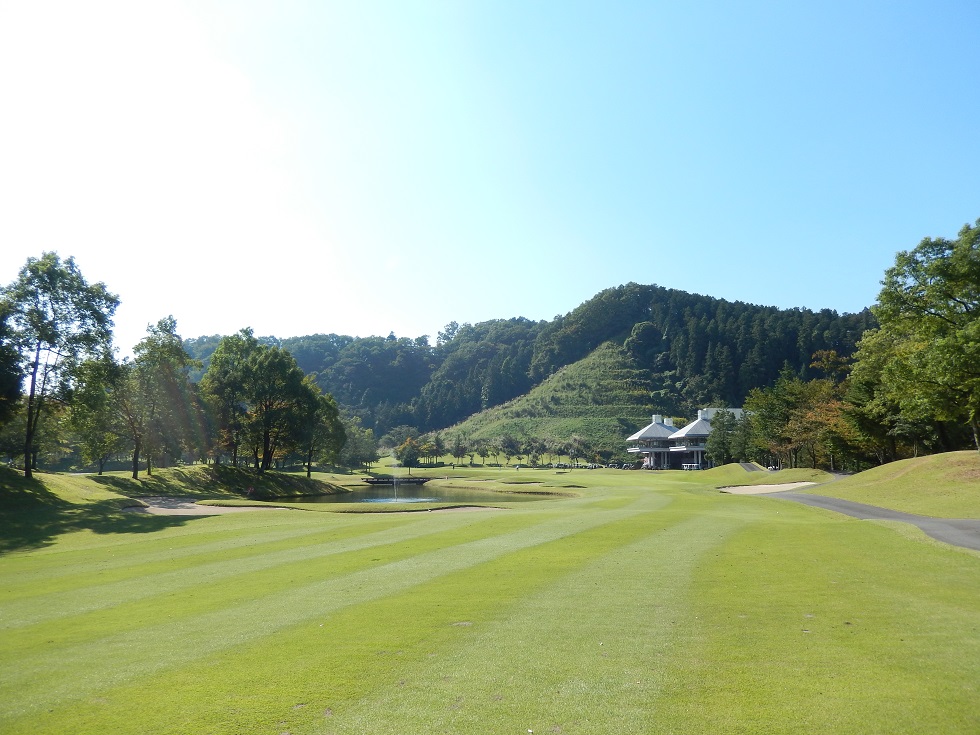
[
  {"x": 32, "y": 517},
  {"x": 215, "y": 482}
]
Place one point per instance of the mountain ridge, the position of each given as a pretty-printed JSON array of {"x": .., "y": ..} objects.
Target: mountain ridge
[{"x": 690, "y": 350}]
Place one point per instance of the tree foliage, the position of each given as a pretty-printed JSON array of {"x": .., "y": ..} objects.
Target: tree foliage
[
  {"x": 156, "y": 401},
  {"x": 55, "y": 319},
  {"x": 94, "y": 416},
  {"x": 317, "y": 433},
  {"x": 264, "y": 403},
  {"x": 11, "y": 374},
  {"x": 696, "y": 351},
  {"x": 915, "y": 382},
  {"x": 926, "y": 351}
]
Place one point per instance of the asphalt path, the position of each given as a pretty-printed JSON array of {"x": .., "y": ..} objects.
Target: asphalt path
[{"x": 963, "y": 532}]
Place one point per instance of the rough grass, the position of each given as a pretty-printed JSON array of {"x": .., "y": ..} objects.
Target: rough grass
[
  {"x": 940, "y": 485},
  {"x": 645, "y": 603},
  {"x": 734, "y": 475}
]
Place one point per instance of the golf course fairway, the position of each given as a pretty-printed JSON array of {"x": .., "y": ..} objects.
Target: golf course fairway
[{"x": 632, "y": 602}]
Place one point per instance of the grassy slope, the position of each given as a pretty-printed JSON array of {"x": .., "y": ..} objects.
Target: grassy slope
[
  {"x": 603, "y": 397},
  {"x": 941, "y": 485},
  {"x": 34, "y": 512},
  {"x": 734, "y": 475},
  {"x": 648, "y": 603}
]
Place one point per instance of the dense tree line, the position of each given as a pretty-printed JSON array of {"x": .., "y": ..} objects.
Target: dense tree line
[
  {"x": 822, "y": 388},
  {"x": 912, "y": 386},
  {"x": 698, "y": 350},
  {"x": 64, "y": 390}
]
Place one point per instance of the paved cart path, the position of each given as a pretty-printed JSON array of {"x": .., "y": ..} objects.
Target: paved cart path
[{"x": 964, "y": 532}]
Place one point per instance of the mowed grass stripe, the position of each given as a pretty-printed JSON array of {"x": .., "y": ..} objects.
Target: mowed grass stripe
[
  {"x": 53, "y": 675},
  {"x": 186, "y": 572},
  {"x": 266, "y": 575},
  {"x": 333, "y": 661},
  {"x": 23, "y": 573},
  {"x": 813, "y": 622},
  {"x": 587, "y": 653}
]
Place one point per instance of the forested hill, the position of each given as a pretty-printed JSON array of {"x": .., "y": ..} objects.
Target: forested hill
[{"x": 698, "y": 351}]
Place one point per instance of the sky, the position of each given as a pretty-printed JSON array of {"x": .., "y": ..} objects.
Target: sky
[{"x": 368, "y": 167}]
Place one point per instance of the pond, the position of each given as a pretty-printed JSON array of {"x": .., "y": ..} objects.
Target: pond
[{"x": 425, "y": 494}]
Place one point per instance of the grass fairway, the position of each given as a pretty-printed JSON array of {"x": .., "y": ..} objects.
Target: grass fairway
[{"x": 645, "y": 603}]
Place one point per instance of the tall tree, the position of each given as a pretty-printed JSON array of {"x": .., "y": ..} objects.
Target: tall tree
[
  {"x": 225, "y": 388},
  {"x": 11, "y": 375},
  {"x": 94, "y": 416},
  {"x": 156, "y": 400},
  {"x": 164, "y": 364},
  {"x": 275, "y": 389},
  {"x": 929, "y": 315},
  {"x": 460, "y": 444},
  {"x": 360, "y": 448},
  {"x": 318, "y": 433},
  {"x": 56, "y": 320},
  {"x": 719, "y": 446},
  {"x": 407, "y": 453}
]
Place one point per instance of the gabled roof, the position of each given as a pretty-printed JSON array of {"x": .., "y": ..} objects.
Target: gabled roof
[
  {"x": 655, "y": 430},
  {"x": 701, "y": 427}
]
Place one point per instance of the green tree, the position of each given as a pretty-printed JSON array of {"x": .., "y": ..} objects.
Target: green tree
[
  {"x": 770, "y": 410},
  {"x": 52, "y": 443},
  {"x": 11, "y": 375},
  {"x": 155, "y": 398},
  {"x": 361, "y": 447},
  {"x": 275, "y": 390},
  {"x": 398, "y": 436},
  {"x": 94, "y": 417},
  {"x": 318, "y": 434},
  {"x": 225, "y": 389},
  {"x": 460, "y": 445},
  {"x": 720, "y": 444},
  {"x": 482, "y": 447},
  {"x": 438, "y": 445},
  {"x": 509, "y": 446},
  {"x": 56, "y": 319},
  {"x": 407, "y": 453},
  {"x": 929, "y": 316},
  {"x": 578, "y": 447},
  {"x": 741, "y": 439}
]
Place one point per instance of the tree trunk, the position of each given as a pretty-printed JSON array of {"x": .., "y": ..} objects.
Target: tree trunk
[
  {"x": 137, "y": 445},
  {"x": 28, "y": 447},
  {"x": 266, "y": 450},
  {"x": 33, "y": 412}
]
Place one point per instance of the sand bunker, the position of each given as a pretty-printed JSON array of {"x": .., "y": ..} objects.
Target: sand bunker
[
  {"x": 762, "y": 489},
  {"x": 187, "y": 507}
]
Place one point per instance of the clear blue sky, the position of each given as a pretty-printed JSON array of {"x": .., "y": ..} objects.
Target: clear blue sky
[{"x": 365, "y": 167}]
